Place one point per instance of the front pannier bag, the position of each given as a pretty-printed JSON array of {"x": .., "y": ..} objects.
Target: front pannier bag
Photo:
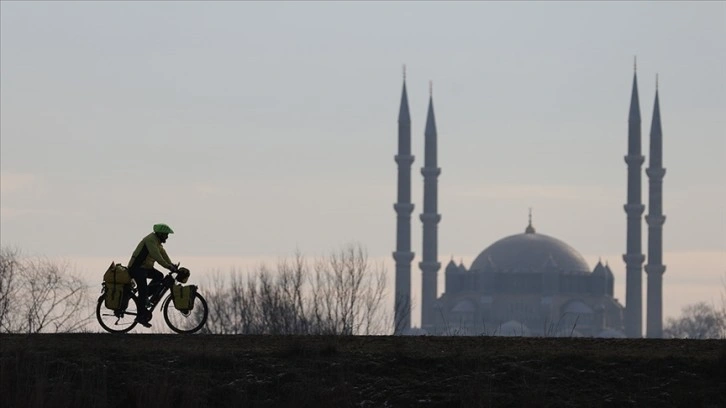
[{"x": 184, "y": 296}]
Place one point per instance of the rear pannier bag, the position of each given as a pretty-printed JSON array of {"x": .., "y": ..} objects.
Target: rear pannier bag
[
  {"x": 115, "y": 296},
  {"x": 116, "y": 274},
  {"x": 184, "y": 296}
]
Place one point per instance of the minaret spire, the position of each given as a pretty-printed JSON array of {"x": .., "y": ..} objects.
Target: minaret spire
[
  {"x": 634, "y": 209},
  {"x": 403, "y": 255},
  {"x": 430, "y": 219},
  {"x": 530, "y": 229},
  {"x": 655, "y": 220}
]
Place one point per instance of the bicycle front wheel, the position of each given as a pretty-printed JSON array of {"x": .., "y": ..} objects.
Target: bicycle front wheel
[
  {"x": 186, "y": 321},
  {"x": 117, "y": 321}
]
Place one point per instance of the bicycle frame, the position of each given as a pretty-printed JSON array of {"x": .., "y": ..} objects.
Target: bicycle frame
[{"x": 166, "y": 283}]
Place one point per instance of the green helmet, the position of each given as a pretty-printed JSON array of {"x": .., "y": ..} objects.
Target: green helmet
[{"x": 163, "y": 229}]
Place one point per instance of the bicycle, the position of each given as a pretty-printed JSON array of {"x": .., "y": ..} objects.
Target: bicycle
[{"x": 123, "y": 320}]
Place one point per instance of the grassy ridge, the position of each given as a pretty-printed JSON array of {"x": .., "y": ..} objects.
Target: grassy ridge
[{"x": 98, "y": 370}]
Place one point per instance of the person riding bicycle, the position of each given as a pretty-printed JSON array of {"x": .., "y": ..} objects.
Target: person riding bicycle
[{"x": 141, "y": 267}]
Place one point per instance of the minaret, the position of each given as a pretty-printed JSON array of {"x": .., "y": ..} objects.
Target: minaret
[
  {"x": 655, "y": 220},
  {"x": 430, "y": 219},
  {"x": 634, "y": 209},
  {"x": 403, "y": 255}
]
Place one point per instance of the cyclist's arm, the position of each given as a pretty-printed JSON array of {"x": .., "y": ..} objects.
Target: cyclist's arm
[
  {"x": 157, "y": 253},
  {"x": 165, "y": 255}
]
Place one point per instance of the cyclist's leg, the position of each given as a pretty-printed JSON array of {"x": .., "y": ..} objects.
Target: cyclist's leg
[
  {"x": 155, "y": 284},
  {"x": 155, "y": 276},
  {"x": 140, "y": 275}
]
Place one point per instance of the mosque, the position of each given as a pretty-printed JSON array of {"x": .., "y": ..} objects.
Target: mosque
[{"x": 530, "y": 283}]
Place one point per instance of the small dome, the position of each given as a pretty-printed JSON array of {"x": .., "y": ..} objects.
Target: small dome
[
  {"x": 512, "y": 328},
  {"x": 464, "y": 306},
  {"x": 568, "y": 333},
  {"x": 530, "y": 252},
  {"x": 577, "y": 307},
  {"x": 611, "y": 334},
  {"x": 456, "y": 331},
  {"x": 415, "y": 331}
]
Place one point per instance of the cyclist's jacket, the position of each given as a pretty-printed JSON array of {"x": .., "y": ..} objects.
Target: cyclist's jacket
[{"x": 149, "y": 251}]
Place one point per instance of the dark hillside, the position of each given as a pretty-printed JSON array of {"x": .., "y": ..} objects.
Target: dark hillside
[{"x": 98, "y": 370}]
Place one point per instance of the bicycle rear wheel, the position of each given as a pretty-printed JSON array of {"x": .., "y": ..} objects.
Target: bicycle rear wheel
[
  {"x": 117, "y": 321},
  {"x": 186, "y": 322}
]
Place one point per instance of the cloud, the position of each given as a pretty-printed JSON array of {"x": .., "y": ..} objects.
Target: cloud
[
  {"x": 7, "y": 213},
  {"x": 11, "y": 181},
  {"x": 514, "y": 191},
  {"x": 217, "y": 189},
  {"x": 13, "y": 186}
]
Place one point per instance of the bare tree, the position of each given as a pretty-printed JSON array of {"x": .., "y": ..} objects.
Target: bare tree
[
  {"x": 697, "y": 321},
  {"x": 268, "y": 302},
  {"x": 374, "y": 317},
  {"x": 218, "y": 317},
  {"x": 343, "y": 295},
  {"x": 9, "y": 271},
  {"x": 347, "y": 293},
  {"x": 39, "y": 295},
  {"x": 54, "y": 299},
  {"x": 289, "y": 305},
  {"x": 229, "y": 303}
]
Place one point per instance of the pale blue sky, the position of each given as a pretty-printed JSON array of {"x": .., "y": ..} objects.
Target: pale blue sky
[{"x": 258, "y": 128}]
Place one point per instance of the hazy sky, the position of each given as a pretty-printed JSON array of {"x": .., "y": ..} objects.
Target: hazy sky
[{"x": 255, "y": 129}]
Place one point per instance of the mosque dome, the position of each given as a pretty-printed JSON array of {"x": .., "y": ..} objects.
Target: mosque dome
[{"x": 530, "y": 252}]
